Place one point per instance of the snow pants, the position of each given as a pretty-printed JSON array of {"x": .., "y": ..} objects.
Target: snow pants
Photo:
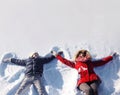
[
  {"x": 90, "y": 88},
  {"x": 28, "y": 81}
]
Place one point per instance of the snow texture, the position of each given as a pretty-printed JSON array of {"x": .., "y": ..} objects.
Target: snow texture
[{"x": 60, "y": 79}]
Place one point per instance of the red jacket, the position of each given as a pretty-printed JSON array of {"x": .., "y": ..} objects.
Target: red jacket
[{"x": 85, "y": 69}]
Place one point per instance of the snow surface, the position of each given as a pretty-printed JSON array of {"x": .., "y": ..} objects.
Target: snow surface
[
  {"x": 39, "y": 25},
  {"x": 60, "y": 79}
]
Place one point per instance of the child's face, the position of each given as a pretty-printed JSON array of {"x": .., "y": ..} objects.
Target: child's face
[{"x": 35, "y": 55}]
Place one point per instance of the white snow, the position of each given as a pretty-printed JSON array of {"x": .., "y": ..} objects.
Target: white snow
[{"x": 71, "y": 25}]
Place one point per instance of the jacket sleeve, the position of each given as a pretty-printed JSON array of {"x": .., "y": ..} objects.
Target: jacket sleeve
[
  {"x": 65, "y": 61},
  {"x": 46, "y": 60},
  {"x": 18, "y": 62},
  {"x": 102, "y": 61}
]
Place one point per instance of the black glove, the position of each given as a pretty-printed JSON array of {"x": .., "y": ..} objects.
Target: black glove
[
  {"x": 115, "y": 54},
  {"x": 60, "y": 52},
  {"x": 54, "y": 53}
]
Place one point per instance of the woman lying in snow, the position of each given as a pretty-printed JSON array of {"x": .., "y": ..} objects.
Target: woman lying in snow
[{"x": 89, "y": 80}]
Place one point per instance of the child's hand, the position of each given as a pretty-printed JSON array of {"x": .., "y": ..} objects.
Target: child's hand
[
  {"x": 6, "y": 60},
  {"x": 54, "y": 53}
]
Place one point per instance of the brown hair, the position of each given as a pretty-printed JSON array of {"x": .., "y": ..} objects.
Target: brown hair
[{"x": 85, "y": 52}]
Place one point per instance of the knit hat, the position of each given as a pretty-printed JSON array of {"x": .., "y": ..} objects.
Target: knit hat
[{"x": 32, "y": 53}]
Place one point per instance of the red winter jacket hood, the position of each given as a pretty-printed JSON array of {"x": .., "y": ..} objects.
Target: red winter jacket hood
[{"x": 85, "y": 69}]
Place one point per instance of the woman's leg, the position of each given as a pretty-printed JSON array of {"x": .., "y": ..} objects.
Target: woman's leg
[
  {"x": 94, "y": 85},
  {"x": 86, "y": 89}
]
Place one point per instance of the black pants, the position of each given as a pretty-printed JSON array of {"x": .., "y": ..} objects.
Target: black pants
[{"x": 90, "y": 88}]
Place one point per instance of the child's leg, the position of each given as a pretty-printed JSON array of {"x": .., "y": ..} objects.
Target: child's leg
[
  {"x": 39, "y": 86},
  {"x": 23, "y": 86}
]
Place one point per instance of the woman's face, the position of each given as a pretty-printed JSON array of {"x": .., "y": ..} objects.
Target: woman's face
[{"x": 83, "y": 56}]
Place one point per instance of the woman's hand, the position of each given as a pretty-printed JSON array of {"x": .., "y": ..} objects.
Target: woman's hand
[{"x": 115, "y": 54}]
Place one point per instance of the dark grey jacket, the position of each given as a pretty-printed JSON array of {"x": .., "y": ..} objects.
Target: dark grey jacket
[{"x": 34, "y": 66}]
